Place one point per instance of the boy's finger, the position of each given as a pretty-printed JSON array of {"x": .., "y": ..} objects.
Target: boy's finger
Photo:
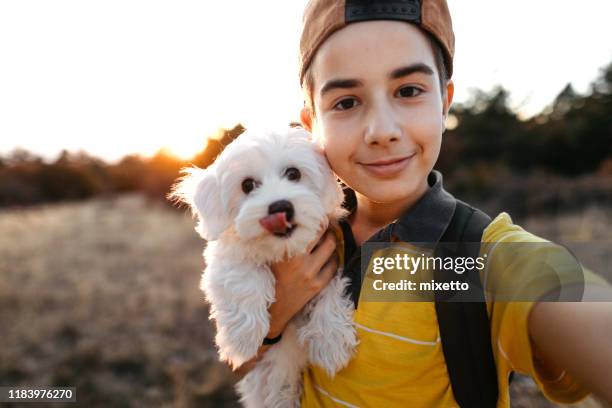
[
  {"x": 315, "y": 242},
  {"x": 328, "y": 271},
  {"x": 321, "y": 254},
  {"x": 326, "y": 246}
]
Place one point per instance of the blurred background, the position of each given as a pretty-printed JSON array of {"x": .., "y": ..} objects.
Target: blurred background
[{"x": 101, "y": 105}]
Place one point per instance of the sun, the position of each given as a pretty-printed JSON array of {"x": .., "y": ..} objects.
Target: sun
[{"x": 187, "y": 148}]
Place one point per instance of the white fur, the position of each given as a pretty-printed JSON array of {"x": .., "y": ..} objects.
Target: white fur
[{"x": 238, "y": 282}]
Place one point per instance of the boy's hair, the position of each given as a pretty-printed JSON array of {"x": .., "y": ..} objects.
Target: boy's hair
[{"x": 439, "y": 60}]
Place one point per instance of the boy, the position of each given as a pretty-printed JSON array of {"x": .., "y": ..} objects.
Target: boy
[{"x": 376, "y": 76}]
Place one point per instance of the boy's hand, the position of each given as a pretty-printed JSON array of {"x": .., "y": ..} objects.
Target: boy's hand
[{"x": 300, "y": 278}]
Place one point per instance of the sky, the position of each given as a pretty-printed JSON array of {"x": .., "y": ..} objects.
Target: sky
[{"x": 117, "y": 77}]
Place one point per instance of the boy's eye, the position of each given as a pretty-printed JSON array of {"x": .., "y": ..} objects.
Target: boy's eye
[
  {"x": 293, "y": 174},
  {"x": 248, "y": 185},
  {"x": 346, "y": 103},
  {"x": 409, "y": 92}
]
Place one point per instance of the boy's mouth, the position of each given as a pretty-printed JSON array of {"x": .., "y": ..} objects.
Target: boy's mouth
[{"x": 388, "y": 167}]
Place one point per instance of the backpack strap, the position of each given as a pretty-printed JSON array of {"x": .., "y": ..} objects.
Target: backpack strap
[{"x": 464, "y": 325}]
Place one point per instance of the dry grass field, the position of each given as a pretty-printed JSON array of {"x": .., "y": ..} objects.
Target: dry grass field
[{"x": 103, "y": 296}]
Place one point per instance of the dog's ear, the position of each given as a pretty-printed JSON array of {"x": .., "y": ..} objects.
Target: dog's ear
[{"x": 200, "y": 190}]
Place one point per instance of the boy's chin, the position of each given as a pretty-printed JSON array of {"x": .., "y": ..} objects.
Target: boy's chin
[
  {"x": 391, "y": 197},
  {"x": 386, "y": 191}
]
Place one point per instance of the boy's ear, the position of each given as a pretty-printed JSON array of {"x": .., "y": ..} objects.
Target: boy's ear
[
  {"x": 306, "y": 118},
  {"x": 448, "y": 101}
]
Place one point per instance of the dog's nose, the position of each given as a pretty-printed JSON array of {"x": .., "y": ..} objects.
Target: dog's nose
[{"x": 282, "y": 206}]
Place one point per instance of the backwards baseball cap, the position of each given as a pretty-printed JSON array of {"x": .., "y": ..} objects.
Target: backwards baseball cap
[{"x": 324, "y": 17}]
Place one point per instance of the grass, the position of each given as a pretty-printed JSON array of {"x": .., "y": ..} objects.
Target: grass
[{"x": 103, "y": 296}]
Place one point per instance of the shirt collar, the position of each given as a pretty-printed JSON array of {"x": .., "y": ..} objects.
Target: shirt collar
[{"x": 426, "y": 221}]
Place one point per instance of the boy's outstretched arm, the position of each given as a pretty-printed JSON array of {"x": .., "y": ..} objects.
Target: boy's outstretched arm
[{"x": 577, "y": 337}]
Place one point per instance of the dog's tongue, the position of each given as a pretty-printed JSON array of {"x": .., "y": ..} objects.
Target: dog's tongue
[{"x": 275, "y": 223}]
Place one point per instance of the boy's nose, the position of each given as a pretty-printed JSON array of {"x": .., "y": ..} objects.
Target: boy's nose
[{"x": 382, "y": 126}]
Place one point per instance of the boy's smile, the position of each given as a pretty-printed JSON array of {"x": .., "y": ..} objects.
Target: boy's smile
[
  {"x": 378, "y": 109},
  {"x": 388, "y": 168}
]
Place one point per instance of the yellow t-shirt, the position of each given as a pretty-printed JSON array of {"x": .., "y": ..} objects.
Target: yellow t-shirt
[{"x": 399, "y": 361}]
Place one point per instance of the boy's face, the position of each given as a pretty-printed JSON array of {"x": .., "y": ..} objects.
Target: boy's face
[{"x": 379, "y": 113}]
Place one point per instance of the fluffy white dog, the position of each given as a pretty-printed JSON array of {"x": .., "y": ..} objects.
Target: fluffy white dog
[{"x": 264, "y": 198}]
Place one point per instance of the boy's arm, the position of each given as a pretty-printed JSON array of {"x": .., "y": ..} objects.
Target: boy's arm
[
  {"x": 576, "y": 337},
  {"x": 244, "y": 369}
]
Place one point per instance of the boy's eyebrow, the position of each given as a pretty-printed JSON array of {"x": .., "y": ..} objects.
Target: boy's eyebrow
[
  {"x": 395, "y": 74},
  {"x": 339, "y": 83},
  {"x": 411, "y": 69}
]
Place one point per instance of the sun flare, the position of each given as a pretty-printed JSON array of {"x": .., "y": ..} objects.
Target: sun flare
[{"x": 187, "y": 147}]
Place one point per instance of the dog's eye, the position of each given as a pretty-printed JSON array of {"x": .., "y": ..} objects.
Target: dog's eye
[
  {"x": 248, "y": 185},
  {"x": 293, "y": 174}
]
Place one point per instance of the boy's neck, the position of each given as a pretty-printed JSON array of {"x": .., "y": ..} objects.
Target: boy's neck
[{"x": 371, "y": 216}]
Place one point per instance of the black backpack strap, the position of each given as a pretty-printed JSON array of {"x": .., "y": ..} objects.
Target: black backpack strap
[{"x": 464, "y": 326}]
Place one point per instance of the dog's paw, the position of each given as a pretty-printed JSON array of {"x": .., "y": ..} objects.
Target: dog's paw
[
  {"x": 241, "y": 327},
  {"x": 235, "y": 357},
  {"x": 236, "y": 346},
  {"x": 333, "y": 349},
  {"x": 329, "y": 334}
]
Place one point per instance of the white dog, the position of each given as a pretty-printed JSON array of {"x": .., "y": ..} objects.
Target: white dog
[{"x": 264, "y": 198}]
